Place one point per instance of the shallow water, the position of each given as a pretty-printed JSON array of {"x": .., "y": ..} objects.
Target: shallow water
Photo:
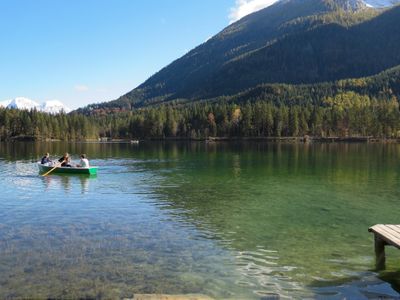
[{"x": 237, "y": 221}]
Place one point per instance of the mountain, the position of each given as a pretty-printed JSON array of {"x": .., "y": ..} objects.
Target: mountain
[
  {"x": 382, "y": 87},
  {"x": 52, "y": 107},
  {"x": 292, "y": 42},
  {"x": 23, "y": 103},
  {"x": 5, "y": 103},
  {"x": 381, "y": 3}
]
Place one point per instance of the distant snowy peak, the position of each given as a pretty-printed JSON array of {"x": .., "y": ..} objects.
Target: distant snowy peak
[
  {"x": 54, "y": 107},
  {"x": 5, "y": 103},
  {"x": 23, "y": 103},
  {"x": 350, "y": 5},
  {"x": 51, "y": 107},
  {"x": 381, "y": 3}
]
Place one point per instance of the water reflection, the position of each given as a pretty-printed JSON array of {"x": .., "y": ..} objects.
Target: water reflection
[
  {"x": 236, "y": 165},
  {"x": 231, "y": 221},
  {"x": 52, "y": 182},
  {"x": 303, "y": 201},
  {"x": 85, "y": 183}
]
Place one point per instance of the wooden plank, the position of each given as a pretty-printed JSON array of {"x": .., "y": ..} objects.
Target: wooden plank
[
  {"x": 395, "y": 237},
  {"x": 385, "y": 229},
  {"x": 396, "y": 228},
  {"x": 381, "y": 229},
  {"x": 388, "y": 234},
  {"x": 389, "y": 241},
  {"x": 376, "y": 227},
  {"x": 391, "y": 231},
  {"x": 385, "y": 226},
  {"x": 384, "y": 235}
]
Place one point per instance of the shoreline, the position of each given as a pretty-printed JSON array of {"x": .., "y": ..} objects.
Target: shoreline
[{"x": 303, "y": 139}]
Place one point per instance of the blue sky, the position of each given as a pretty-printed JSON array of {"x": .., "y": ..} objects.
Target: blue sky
[{"x": 86, "y": 51}]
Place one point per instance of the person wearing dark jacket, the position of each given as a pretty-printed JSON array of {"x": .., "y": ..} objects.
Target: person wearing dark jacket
[
  {"x": 65, "y": 160},
  {"x": 45, "y": 159}
]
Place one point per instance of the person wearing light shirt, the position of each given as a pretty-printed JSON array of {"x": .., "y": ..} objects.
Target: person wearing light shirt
[{"x": 84, "y": 163}]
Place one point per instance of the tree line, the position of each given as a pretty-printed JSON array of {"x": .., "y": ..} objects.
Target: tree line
[{"x": 343, "y": 115}]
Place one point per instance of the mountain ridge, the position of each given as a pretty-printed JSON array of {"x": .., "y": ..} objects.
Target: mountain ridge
[
  {"x": 292, "y": 41},
  {"x": 23, "y": 103}
]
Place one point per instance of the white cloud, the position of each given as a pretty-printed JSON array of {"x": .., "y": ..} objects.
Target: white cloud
[
  {"x": 81, "y": 88},
  {"x": 244, "y": 7}
]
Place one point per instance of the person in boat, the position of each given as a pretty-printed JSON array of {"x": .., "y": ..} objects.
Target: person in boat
[
  {"x": 65, "y": 160},
  {"x": 46, "y": 159},
  {"x": 84, "y": 163}
]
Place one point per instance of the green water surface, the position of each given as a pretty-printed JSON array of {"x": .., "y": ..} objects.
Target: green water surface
[{"x": 231, "y": 221}]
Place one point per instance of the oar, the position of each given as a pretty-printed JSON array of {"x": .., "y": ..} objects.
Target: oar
[{"x": 57, "y": 165}]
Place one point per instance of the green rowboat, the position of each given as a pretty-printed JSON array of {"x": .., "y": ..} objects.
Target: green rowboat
[{"x": 68, "y": 170}]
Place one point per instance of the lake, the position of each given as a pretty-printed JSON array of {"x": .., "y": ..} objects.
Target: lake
[{"x": 227, "y": 220}]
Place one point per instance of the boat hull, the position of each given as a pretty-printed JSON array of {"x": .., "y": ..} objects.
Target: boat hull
[{"x": 68, "y": 170}]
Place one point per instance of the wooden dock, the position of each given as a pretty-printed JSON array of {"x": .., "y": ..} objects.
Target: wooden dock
[{"x": 384, "y": 235}]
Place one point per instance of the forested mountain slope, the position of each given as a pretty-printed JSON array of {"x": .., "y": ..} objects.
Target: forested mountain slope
[
  {"x": 325, "y": 68},
  {"x": 383, "y": 87},
  {"x": 292, "y": 41},
  {"x": 345, "y": 108}
]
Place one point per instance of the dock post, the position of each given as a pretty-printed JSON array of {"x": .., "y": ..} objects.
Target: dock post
[{"x": 380, "y": 253}]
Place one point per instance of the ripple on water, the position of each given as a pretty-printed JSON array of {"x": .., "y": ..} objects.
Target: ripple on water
[
  {"x": 259, "y": 270},
  {"x": 369, "y": 287},
  {"x": 179, "y": 225}
]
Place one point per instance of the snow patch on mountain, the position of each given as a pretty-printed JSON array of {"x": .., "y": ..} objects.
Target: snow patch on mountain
[
  {"x": 51, "y": 107},
  {"x": 54, "y": 107},
  {"x": 5, "y": 103},
  {"x": 23, "y": 103},
  {"x": 245, "y": 7},
  {"x": 381, "y": 3}
]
